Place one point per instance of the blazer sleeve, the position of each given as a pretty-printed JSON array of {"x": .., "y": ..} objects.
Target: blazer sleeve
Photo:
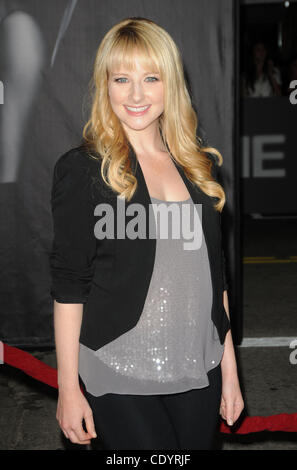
[
  {"x": 225, "y": 282},
  {"x": 74, "y": 244},
  {"x": 214, "y": 170}
]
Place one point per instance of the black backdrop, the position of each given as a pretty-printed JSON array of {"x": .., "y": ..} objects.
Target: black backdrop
[{"x": 45, "y": 107}]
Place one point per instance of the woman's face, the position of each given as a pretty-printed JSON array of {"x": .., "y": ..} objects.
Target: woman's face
[
  {"x": 259, "y": 51},
  {"x": 136, "y": 89}
]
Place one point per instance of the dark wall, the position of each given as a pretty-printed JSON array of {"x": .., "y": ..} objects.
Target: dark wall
[{"x": 44, "y": 112}]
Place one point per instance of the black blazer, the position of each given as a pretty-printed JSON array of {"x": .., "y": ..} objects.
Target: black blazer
[{"x": 111, "y": 276}]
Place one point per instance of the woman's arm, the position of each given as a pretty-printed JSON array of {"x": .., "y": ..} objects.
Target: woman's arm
[
  {"x": 67, "y": 323},
  {"x": 229, "y": 361},
  {"x": 274, "y": 77},
  {"x": 72, "y": 267},
  {"x": 72, "y": 406},
  {"x": 232, "y": 402}
]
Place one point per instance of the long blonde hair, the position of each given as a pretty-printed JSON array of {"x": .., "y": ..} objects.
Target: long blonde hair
[{"x": 103, "y": 132}]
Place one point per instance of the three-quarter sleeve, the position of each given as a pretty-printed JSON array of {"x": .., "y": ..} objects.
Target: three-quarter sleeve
[
  {"x": 225, "y": 282},
  {"x": 73, "y": 252},
  {"x": 214, "y": 170}
]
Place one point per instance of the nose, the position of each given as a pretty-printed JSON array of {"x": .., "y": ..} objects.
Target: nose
[{"x": 136, "y": 92}]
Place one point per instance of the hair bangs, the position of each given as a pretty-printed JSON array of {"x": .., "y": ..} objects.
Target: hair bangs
[{"x": 125, "y": 52}]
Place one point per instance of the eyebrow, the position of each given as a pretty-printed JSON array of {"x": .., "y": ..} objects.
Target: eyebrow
[{"x": 122, "y": 73}]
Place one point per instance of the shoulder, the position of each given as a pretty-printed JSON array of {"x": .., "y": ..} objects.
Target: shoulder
[
  {"x": 214, "y": 162},
  {"x": 79, "y": 169},
  {"x": 76, "y": 161},
  {"x": 212, "y": 157}
]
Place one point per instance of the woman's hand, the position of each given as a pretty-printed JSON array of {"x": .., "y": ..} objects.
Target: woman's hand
[
  {"x": 232, "y": 402},
  {"x": 72, "y": 408}
]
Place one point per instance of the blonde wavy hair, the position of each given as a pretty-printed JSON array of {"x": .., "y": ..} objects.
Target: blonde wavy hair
[{"x": 103, "y": 132}]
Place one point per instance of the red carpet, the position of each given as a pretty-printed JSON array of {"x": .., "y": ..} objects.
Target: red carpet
[{"x": 40, "y": 371}]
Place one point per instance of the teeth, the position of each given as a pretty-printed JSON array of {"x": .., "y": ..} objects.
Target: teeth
[{"x": 137, "y": 110}]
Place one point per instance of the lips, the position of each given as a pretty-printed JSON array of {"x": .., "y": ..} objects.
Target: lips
[{"x": 137, "y": 113}]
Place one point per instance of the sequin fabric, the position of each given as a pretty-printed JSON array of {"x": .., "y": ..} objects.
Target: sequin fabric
[{"x": 175, "y": 343}]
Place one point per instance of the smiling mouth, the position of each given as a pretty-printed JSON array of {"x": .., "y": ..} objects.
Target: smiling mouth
[{"x": 136, "y": 110}]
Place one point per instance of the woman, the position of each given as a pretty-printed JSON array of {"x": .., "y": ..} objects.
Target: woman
[
  {"x": 263, "y": 79},
  {"x": 143, "y": 320}
]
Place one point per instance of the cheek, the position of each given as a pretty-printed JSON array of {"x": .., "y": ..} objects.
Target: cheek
[
  {"x": 116, "y": 95},
  {"x": 157, "y": 96}
]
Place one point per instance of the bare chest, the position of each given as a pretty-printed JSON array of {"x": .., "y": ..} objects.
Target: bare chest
[{"x": 163, "y": 180}]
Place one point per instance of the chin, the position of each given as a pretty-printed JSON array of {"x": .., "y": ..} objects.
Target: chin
[{"x": 138, "y": 128}]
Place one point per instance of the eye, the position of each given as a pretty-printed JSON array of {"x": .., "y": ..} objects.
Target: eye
[
  {"x": 154, "y": 78},
  {"x": 118, "y": 79}
]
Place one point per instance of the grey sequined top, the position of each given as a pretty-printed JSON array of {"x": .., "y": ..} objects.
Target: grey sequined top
[{"x": 175, "y": 343}]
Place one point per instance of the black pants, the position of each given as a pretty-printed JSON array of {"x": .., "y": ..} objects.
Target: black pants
[{"x": 187, "y": 420}]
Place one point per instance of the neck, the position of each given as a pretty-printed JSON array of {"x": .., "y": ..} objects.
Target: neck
[{"x": 147, "y": 141}]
